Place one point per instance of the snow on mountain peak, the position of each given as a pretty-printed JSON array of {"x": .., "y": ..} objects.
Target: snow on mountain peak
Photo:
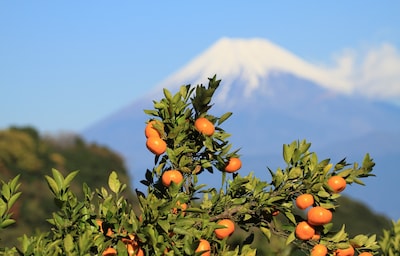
[{"x": 250, "y": 60}]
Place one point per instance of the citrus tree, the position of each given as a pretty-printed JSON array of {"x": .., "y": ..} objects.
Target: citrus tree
[{"x": 177, "y": 215}]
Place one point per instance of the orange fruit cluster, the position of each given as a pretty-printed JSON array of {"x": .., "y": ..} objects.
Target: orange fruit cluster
[
  {"x": 180, "y": 206},
  {"x": 132, "y": 247},
  {"x": 319, "y": 216},
  {"x": 154, "y": 142},
  {"x": 316, "y": 216}
]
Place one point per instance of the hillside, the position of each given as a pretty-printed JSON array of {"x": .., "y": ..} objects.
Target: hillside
[{"x": 24, "y": 152}]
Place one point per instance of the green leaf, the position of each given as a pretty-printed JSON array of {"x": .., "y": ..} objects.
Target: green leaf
[
  {"x": 295, "y": 173},
  {"x": 340, "y": 236},
  {"x": 290, "y": 216},
  {"x": 164, "y": 224},
  {"x": 5, "y": 192},
  {"x": 183, "y": 90},
  {"x": 114, "y": 183},
  {"x": 176, "y": 99},
  {"x": 304, "y": 146},
  {"x": 14, "y": 185},
  {"x": 58, "y": 177},
  {"x": 224, "y": 117},
  {"x": 52, "y": 185},
  {"x": 68, "y": 243},
  {"x": 12, "y": 200},
  {"x": 6, "y": 223},
  {"x": 3, "y": 207},
  {"x": 69, "y": 178},
  {"x": 151, "y": 112},
  {"x": 323, "y": 194},
  {"x": 167, "y": 94},
  {"x": 266, "y": 232},
  {"x": 287, "y": 153},
  {"x": 290, "y": 238}
]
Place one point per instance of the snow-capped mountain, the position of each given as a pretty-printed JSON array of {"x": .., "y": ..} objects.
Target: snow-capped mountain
[
  {"x": 276, "y": 98},
  {"x": 250, "y": 61}
]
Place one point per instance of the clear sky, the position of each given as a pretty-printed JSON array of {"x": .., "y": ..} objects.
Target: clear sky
[{"x": 67, "y": 64}]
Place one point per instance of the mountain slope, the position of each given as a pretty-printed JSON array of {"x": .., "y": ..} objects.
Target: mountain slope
[{"x": 276, "y": 98}]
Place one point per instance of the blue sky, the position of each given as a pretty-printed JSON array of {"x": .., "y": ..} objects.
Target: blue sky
[{"x": 67, "y": 64}]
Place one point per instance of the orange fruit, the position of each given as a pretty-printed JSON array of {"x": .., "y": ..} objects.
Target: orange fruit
[
  {"x": 319, "y": 250},
  {"x": 204, "y": 245},
  {"x": 174, "y": 176},
  {"x": 337, "y": 183},
  {"x": 156, "y": 145},
  {"x": 304, "y": 231},
  {"x": 316, "y": 237},
  {"x": 129, "y": 239},
  {"x": 150, "y": 131},
  {"x": 109, "y": 230},
  {"x": 365, "y": 254},
  {"x": 304, "y": 201},
  {"x": 275, "y": 213},
  {"x": 109, "y": 252},
  {"x": 180, "y": 206},
  {"x": 204, "y": 126},
  {"x": 222, "y": 233},
  {"x": 318, "y": 216},
  {"x": 233, "y": 165},
  {"x": 134, "y": 250},
  {"x": 345, "y": 252}
]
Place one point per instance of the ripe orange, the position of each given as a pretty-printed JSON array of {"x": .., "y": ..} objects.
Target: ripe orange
[
  {"x": 275, "y": 213},
  {"x": 156, "y": 145},
  {"x": 131, "y": 248},
  {"x": 174, "y": 176},
  {"x": 304, "y": 231},
  {"x": 316, "y": 237},
  {"x": 180, "y": 206},
  {"x": 204, "y": 245},
  {"x": 222, "y": 233},
  {"x": 337, "y": 183},
  {"x": 129, "y": 239},
  {"x": 365, "y": 254},
  {"x": 319, "y": 250},
  {"x": 345, "y": 252},
  {"x": 109, "y": 230},
  {"x": 110, "y": 252},
  {"x": 204, "y": 126},
  {"x": 150, "y": 131},
  {"x": 233, "y": 165},
  {"x": 304, "y": 201},
  {"x": 318, "y": 216}
]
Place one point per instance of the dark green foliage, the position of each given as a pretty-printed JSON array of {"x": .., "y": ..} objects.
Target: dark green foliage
[{"x": 358, "y": 218}]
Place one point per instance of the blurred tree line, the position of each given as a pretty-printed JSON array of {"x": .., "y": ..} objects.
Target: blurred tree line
[{"x": 24, "y": 151}]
